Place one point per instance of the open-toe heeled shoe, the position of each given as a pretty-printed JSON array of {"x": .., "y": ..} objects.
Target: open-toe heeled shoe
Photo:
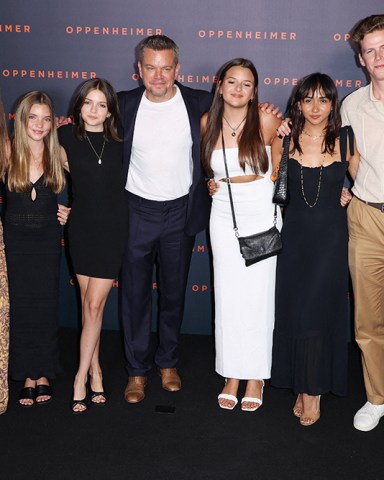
[
  {"x": 79, "y": 403},
  {"x": 43, "y": 391},
  {"x": 231, "y": 398},
  {"x": 257, "y": 402},
  {"x": 308, "y": 420},
  {"x": 298, "y": 407},
  {"x": 94, "y": 395}
]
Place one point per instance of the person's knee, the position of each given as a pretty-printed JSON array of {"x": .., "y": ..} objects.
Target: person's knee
[{"x": 93, "y": 307}]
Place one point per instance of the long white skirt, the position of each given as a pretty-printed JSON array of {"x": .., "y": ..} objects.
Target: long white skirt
[{"x": 244, "y": 296}]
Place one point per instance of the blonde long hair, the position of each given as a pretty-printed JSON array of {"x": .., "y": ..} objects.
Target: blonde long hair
[{"x": 18, "y": 170}]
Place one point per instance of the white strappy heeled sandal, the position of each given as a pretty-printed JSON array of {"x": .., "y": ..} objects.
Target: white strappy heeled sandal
[{"x": 257, "y": 402}]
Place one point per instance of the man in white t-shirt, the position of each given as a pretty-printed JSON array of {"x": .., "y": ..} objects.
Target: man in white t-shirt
[
  {"x": 364, "y": 111},
  {"x": 168, "y": 204}
]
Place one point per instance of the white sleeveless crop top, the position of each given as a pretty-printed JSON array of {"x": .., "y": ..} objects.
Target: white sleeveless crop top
[{"x": 234, "y": 169}]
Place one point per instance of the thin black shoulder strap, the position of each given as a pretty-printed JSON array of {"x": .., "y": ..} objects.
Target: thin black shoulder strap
[{"x": 346, "y": 135}]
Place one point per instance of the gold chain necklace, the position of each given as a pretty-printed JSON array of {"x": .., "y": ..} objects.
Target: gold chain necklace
[
  {"x": 302, "y": 181},
  {"x": 313, "y": 136},
  {"x": 102, "y": 149},
  {"x": 39, "y": 160},
  {"x": 234, "y": 130}
]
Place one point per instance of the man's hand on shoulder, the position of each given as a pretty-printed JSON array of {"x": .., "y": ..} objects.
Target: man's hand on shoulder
[
  {"x": 270, "y": 108},
  {"x": 60, "y": 121}
]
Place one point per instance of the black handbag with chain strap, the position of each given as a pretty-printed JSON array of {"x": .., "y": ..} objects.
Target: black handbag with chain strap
[
  {"x": 260, "y": 245},
  {"x": 280, "y": 195}
]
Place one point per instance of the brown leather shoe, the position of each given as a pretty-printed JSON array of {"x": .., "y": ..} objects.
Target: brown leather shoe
[
  {"x": 170, "y": 379},
  {"x": 134, "y": 391}
]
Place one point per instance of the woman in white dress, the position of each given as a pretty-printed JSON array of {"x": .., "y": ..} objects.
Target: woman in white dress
[{"x": 244, "y": 296}]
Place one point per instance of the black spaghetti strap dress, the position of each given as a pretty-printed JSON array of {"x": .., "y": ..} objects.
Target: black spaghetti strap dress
[{"x": 311, "y": 326}]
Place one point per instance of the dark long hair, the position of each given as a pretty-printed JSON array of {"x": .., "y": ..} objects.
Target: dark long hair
[
  {"x": 110, "y": 123},
  {"x": 251, "y": 144},
  {"x": 307, "y": 86}
]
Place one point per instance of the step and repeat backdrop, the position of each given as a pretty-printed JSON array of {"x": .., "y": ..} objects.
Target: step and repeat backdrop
[{"x": 54, "y": 45}]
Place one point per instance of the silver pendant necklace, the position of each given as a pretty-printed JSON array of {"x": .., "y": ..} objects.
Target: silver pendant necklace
[
  {"x": 234, "y": 130},
  {"x": 93, "y": 148}
]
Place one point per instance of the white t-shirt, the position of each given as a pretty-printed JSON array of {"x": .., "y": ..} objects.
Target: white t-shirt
[{"x": 161, "y": 159}]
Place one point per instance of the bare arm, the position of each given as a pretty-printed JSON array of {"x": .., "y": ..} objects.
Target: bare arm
[
  {"x": 211, "y": 184},
  {"x": 64, "y": 159},
  {"x": 268, "y": 124},
  {"x": 277, "y": 152},
  {"x": 353, "y": 165},
  {"x": 63, "y": 211},
  {"x": 203, "y": 124}
]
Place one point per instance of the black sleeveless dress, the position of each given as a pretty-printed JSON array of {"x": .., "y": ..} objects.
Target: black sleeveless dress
[
  {"x": 97, "y": 224},
  {"x": 32, "y": 237},
  {"x": 311, "y": 324}
]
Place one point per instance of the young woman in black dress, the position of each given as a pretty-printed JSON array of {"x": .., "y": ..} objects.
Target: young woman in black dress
[
  {"x": 32, "y": 236},
  {"x": 93, "y": 155},
  {"x": 310, "y": 339}
]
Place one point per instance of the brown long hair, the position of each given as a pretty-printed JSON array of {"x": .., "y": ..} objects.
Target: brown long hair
[
  {"x": 4, "y": 141},
  {"x": 110, "y": 124},
  {"x": 251, "y": 144},
  {"x": 18, "y": 170}
]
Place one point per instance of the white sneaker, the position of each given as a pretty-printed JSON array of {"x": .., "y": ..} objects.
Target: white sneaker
[{"x": 368, "y": 417}]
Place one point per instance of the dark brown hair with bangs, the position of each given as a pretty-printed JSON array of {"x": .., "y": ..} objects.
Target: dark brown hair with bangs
[{"x": 306, "y": 87}]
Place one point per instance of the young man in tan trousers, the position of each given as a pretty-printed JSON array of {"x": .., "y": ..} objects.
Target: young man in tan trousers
[{"x": 364, "y": 111}]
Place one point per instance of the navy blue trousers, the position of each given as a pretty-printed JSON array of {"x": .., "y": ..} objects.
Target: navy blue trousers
[{"x": 155, "y": 236}]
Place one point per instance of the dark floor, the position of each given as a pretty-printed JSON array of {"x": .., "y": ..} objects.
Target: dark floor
[{"x": 198, "y": 441}]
